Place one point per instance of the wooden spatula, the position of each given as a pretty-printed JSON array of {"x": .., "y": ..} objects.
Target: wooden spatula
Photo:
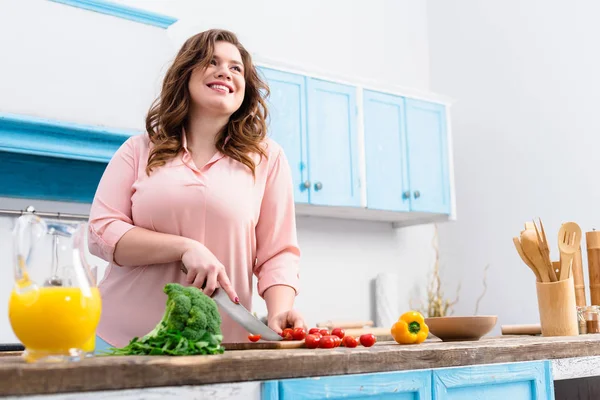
[
  {"x": 532, "y": 252},
  {"x": 526, "y": 260}
]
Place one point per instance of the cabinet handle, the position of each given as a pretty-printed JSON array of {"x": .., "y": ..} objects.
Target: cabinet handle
[
  {"x": 417, "y": 194},
  {"x": 406, "y": 195},
  {"x": 318, "y": 186},
  {"x": 305, "y": 185}
]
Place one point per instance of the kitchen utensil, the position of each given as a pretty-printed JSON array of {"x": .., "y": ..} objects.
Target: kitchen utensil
[
  {"x": 457, "y": 328},
  {"x": 544, "y": 249},
  {"x": 556, "y": 267},
  {"x": 569, "y": 238},
  {"x": 525, "y": 259},
  {"x": 557, "y": 309},
  {"x": 55, "y": 291},
  {"x": 530, "y": 329},
  {"x": 241, "y": 315},
  {"x": 592, "y": 240},
  {"x": 577, "y": 272},
  {"x": 344, "y": 324},
  {"x": 532, "y": 252}
]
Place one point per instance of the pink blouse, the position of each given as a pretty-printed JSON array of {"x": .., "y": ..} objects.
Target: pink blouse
[{"x": 248, "y": 225}]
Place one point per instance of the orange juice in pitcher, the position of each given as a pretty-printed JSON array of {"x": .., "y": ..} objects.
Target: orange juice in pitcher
[{"x": 53, "y": 311}]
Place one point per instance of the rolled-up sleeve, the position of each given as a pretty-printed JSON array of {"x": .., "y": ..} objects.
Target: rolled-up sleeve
[
  {"x": 110, "y": 214},
  {"x": 277, "y": 250}
]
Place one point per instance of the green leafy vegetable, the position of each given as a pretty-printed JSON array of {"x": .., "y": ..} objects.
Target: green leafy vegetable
[{"x": 191, "y": 325}]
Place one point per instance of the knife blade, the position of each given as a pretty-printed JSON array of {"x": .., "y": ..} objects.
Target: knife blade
[{"x": 241, "y": 315}]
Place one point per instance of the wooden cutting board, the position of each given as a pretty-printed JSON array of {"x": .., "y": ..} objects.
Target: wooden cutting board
[{"x": 382, "y": 334}]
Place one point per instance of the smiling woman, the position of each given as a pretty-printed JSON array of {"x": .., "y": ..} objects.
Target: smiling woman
[{"x": 204, "y": 189}]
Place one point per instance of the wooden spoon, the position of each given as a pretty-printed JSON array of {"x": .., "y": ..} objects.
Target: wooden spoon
[
  {"x": 526, "y": 260},
  {"x": 532, "y": 251},
  {"x": 569, "y": 240},
  {"x": 545, "y": 250}
]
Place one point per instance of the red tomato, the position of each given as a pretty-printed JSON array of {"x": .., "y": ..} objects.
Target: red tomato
[
  {"x": 324, "y": 332},
  {"x": 288, "y": 334},
  {"x": 339, "y": 332},
  {"x": 327, "y": 342},
  {"x": 299, "y": 333},
  {"x": 312, "y": 341},
  {"x": 253, "y": 338},
  {"x": 368, "y": 339},
  {"x": 314, "y": 330},
  {"x": 337, "y": 340},
  {"x": 349, "y": 341}
]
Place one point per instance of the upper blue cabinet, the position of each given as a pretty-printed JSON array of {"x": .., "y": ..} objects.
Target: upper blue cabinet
[
  {"x": 287, "y": 124},
  {"x": 315, "y": 123},
  {"x": 333, "y": 144},
  {"x": 428, "y": 156},
  {"x": 406, "y": 154},
  {"x": 384, "y": 158}
]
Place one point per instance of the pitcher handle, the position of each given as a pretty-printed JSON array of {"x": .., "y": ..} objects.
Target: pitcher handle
[{"x": 28, "y": 231}]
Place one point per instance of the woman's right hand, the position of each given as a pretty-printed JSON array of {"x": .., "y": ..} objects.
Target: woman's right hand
[{"x": 203, "y": 268}]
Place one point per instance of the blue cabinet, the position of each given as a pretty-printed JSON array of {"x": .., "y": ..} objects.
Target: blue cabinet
[
  {"x": 315, "y": 123},
  {"x": 385, "y": 152},
  {"x": 516, "y": 381},
  {"x": 411, "y": 385},
  {"x": 287, "y": 124},
  {"x": 428, "y": 156},
  {"x": 333, "y": 144},
  {"x": 406, "y": 154}
]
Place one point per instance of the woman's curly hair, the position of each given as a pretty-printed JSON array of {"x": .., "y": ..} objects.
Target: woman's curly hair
[{"x": 168, "y": 114}]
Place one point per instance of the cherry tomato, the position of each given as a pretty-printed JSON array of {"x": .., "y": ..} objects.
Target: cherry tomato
[
  {"x": 368, "y": 339},
  {"x": 337, "y": 340},
  {"x": 318, "y": 334},
  {"x": 253, "y": 338},
  {"x": 288, "y": 334},
  {"x": 324, "y": 332},
  {"x": 299, "y": 333},
  {"x": 349, "y": 341},
  {"x": 314, "y": 330},
  {"x": 339, "y": 332},
  {"x": 327, "y": 342},
  {"x": 312, "y": 341}
]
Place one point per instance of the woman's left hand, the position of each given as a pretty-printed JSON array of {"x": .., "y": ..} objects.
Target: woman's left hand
[{"x": 286, "y": 319}]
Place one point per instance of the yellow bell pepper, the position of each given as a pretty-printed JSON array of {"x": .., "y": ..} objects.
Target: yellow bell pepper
[{"x": 410, "y": 328}]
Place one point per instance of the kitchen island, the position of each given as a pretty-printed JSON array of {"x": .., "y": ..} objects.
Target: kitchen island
[{"x": 515, "y": 367}]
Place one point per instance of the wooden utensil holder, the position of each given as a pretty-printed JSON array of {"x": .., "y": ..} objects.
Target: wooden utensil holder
[{"x": 557, "y": 308}]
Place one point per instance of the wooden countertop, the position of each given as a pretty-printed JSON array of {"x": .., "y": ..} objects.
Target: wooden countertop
[{"x": 104, "y": 373}]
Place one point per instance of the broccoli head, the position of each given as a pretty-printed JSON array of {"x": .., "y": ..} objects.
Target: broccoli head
[{"x": 191, "y": 324}]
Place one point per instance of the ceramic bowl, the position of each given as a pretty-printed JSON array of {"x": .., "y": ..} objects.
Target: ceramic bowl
[{"x": 453, "y": 329}]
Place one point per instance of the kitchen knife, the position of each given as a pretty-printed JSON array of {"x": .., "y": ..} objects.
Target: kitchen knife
[{"x": 239, "y": 314}]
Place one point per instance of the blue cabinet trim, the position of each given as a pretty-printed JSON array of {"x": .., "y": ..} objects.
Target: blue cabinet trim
[
  {"x": 48, "y": 138},
  {"x": 121, "y": 11}
]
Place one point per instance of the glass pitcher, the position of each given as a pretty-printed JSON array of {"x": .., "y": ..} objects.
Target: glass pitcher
[{"x": 55, "y": 305}]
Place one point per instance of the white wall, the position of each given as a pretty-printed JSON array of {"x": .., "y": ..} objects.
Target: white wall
[
  {"x": 383, "y": 41},
  {"x": 67, "y": 63},
  {"x": 526, "y": 136}
]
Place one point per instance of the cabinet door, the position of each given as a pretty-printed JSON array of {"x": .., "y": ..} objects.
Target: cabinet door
[
  {"x": 287, "y": 123},
  {"x": 428, "y": 156},
  {"x": 332, "y": 144},
  {"x": 385, "y": 152},
  {"x": 518, "y": 381},
  {"x": 411, "y": 385}
]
